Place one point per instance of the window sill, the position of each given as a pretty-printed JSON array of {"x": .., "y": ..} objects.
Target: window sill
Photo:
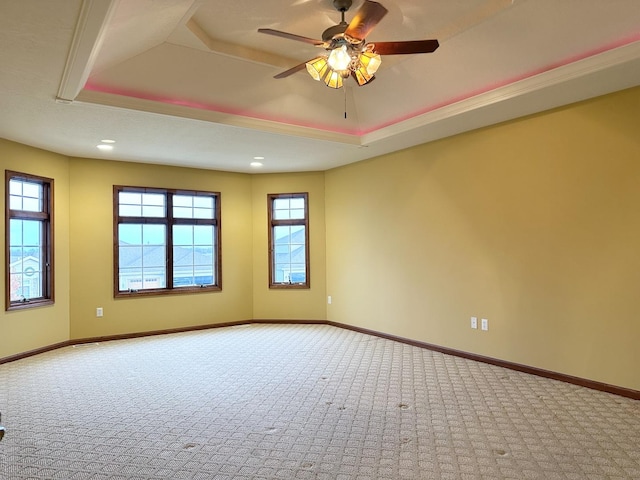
[
  {"x": 29, "y": 304},
  {"x": 160, "y": 292},
  {"x": 289, "y": 286}
]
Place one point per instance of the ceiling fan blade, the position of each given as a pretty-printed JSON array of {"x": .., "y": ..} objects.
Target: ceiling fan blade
[
  {"x": 365, "y": 20},
  {"x": 404, "y": 48},
  {"x": 291, "y": 71},
  {"x": 291, "y": 36}
]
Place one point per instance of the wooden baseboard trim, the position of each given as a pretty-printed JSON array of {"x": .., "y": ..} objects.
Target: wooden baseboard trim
[
  {"x": 603, "y": 387},
  {"x": 36, "y": 351}
]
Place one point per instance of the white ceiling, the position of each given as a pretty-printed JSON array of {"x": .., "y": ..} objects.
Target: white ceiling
[{"x": 190, "y": 82}]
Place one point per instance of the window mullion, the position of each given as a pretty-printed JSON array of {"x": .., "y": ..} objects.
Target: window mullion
[{"x": 169, "y": 254}]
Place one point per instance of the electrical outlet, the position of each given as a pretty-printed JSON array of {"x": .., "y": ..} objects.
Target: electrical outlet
[
  {"x": 474, "y": 322},
  {"x": 484, "y": 324},
  {"x": 99, "y": 312},
  {"x": 329, "y": 299}
]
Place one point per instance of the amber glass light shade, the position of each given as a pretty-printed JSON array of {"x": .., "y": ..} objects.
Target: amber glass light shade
[
  {"x": 317, "y": 67},
  {"x": 333, "y": 79},
  {"x": 361, "y": 75},
  {"x": 370, "y": 61}
]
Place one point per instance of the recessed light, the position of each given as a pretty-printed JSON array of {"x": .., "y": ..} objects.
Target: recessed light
[
  {"x": 104, "y": 147},
  {"x": 256, "y": 164},
  {"x": 108, "y": 141},
  {"x": 258, "y": 158}
]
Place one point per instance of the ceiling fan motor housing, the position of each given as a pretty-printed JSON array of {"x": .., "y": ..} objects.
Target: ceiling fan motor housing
[
  {"x": 332, "y": 32},
  {"x": 342, "y": 5}
]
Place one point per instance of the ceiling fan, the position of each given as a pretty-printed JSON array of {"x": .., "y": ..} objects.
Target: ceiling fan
[{"x": 348, "y": 53}]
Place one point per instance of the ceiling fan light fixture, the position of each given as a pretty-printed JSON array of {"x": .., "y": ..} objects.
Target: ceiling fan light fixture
[
  {"x": 348, "y": 53},
  {"x": 339, "y": 58},
  {"x": 317, "y": 68}
]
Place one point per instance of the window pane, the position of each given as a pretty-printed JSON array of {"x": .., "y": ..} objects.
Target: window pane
[
  {"x": 182, "y": 212},
  {"x": 298, "y": 273},
  {"x": 153, "y": 256},
  {"x": 15, "y": 233},
  {"x": 182, "y": 201},
  {"x": 31, "y": 233},
  {"x": 153, "y": 199},
  {"x": 183, "y": 256},
  {"x": 281, "y": 204},
  {"x": 204, "y": 276},
  {"x": 130, "y": 234},
  {"x": 154, "y": 234},
  {"x": 130, "y": 279},
  {"x": 128, "y": 198},
  {"x": 203, "y": 256},
  {"x": 183, "y": 235},
  {"x": 282, "y": 234},
  {"x": 15, "y": 202},
  {"x": 203, "y": 202},
  {"x": 289, "y": 256},
  {"x": 26, "y": 196},
  {"x": 151, "y": 211},
  {"x": 132, "y": 204},
  {"x": 15, "y": 187},
  {"x": 31, "y": 204},
  {"x": 142, "y": 256},
  {"x": 32, "y": 190},
  {"x": 202, "y": 213},
  {"x": 15, "y": 287},
  {"x": 203, "y": 235},
  {"x": 130, "y": 210},
  {"x": 298, "y": 213},
  {"x": 288, "y": 208},
  {"x": 281, "y": 214},
  {"x": 193, "y": 206},
  {"x": 297, "y": 234},
  {"x": 130, "y": 257},
  {"x": 26, "y": 259},
  {"x": 193, "y": 259},
  {"x": 297, "y": 203}
]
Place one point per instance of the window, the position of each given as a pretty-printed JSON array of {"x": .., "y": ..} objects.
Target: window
[
  {"x": 288, "y": 240},
  {"x": 29, "y": 242},
  {"x": 166, "y": 241}
]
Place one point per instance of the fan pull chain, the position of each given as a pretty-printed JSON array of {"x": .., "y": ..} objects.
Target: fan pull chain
[{"x": 345, "y": 103}]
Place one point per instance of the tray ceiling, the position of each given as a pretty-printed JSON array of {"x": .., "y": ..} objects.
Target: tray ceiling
[{"x": 190, "y": 82}]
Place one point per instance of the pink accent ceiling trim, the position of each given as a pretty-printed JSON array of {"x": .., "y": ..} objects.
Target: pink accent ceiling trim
[
  {"x": 94, "y": 87},
  {"x": 509, "y": 81},
  {"x": 358, "y": 131}
]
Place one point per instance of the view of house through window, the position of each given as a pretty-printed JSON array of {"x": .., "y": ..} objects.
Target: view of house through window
[
  {"x": 29, "y": 240},
  {"x": 288, "y": 240},
  {"x": 166, "y": 240}
]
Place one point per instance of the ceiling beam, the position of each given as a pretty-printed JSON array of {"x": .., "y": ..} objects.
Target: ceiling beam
[
  {"x": 238, "y": 51},
  {"x": 87, "y": 40}
]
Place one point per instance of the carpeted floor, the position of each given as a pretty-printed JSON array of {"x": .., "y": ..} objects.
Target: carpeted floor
[{"x": 301, "y": 402}]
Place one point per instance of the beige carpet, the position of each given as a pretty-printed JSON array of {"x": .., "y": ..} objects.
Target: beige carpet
[{"x": 301, "y": 402}]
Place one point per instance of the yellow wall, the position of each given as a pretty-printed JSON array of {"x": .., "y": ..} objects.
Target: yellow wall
[
  {"x": 28, "y": 329},
  {"x": 294, "y": 304},
  {"x": 92, "y": 251},
  {"x": 245, "y": 294},
  {"x": 533, "y": 224}
]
